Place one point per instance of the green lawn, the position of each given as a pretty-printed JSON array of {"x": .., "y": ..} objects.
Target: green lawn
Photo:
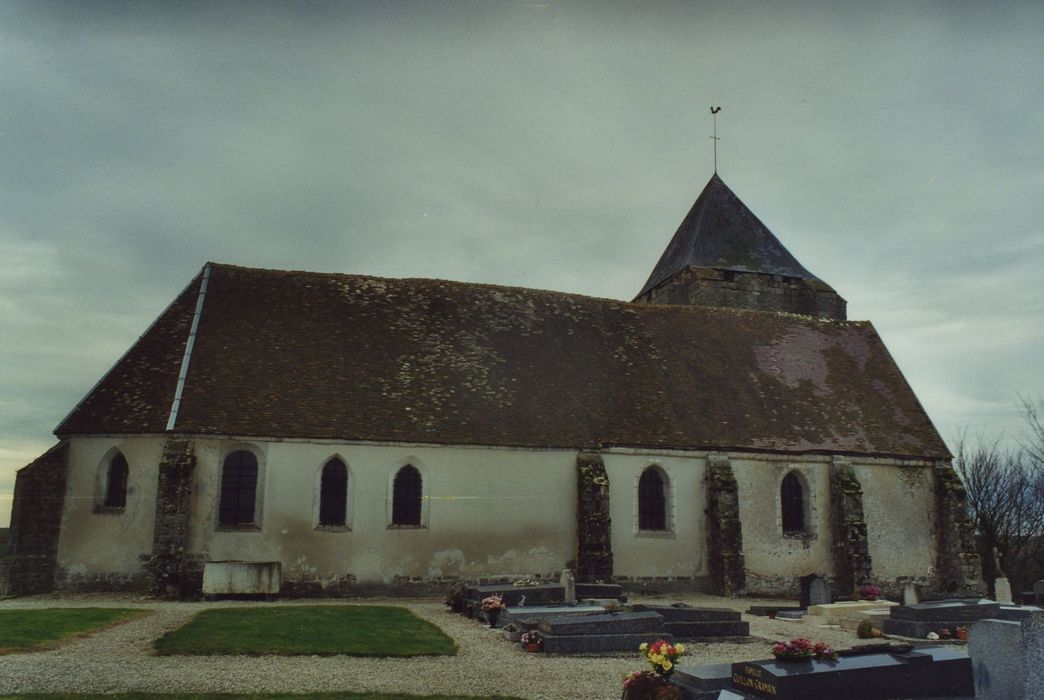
[
  {"x": 217, "y": 696},
  {"x": 307, "y": 630},
  {"x": 31, "y": 630}
]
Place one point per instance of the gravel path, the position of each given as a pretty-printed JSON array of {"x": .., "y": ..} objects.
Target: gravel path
[{"x": 119, "y": 659}]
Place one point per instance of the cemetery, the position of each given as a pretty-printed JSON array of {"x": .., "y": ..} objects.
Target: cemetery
[
  {"x": 943, "y": 648},
  {"x": 571, "y": 618},
  {"x": 593, "y": 641}
]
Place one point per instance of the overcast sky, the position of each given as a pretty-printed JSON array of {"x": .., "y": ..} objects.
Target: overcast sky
[{"x": 896, "y": 149}]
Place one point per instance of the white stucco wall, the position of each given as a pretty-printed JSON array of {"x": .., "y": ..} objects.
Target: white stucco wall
[
  {"x": 678, "y": 552},
  {"x": 487, "y": 512},
  {"x": 899, "y": 509},
  {"x": 768, "y": 553},
  {"x": 108, "y": 542}
]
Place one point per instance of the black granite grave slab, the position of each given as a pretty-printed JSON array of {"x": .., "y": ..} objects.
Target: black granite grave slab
[
  {"x": 541, "y": 594},
  {"x": 703, "y": 679},
  {"x": 955, "y": 610},
  {"x": 594, "y": 643},
  {"x": 601, "y": 590},
  {"x": 536, "y": 613},
  {"x": 764, "y": 610},
  {"x": 705, "y": 630},
  {"x": 920, "y": 619},
  {"x": 929, "y": 672},
  {"x": 1016, "y": 613},
  {"x": 609, "y": 623},
  {"x": 672, "y": 613}
]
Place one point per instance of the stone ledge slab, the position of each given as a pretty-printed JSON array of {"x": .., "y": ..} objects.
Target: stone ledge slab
[{"x": 592, "y": 643}]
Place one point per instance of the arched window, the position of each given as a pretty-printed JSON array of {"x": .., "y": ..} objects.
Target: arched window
[
  {"x": 406, "y": 497},
  {"x": 238, "y": 489},
  {"x": 652, "y": 501},
  {"x": 116, "y": 482},
  {"x": 792, "y": 500},
  {"x": 333, "y": 494}
]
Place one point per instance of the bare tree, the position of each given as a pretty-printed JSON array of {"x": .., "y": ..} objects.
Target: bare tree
[
  {"x": 1033, "y": 444},
  {"x": 1005, "y": 488}
]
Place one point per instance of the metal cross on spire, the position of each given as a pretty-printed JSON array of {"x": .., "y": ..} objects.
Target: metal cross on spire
[{"x": 714, "y": 116}]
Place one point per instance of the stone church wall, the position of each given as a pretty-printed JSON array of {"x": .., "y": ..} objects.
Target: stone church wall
[
  {"x": 36, "y": 519},
  {"x": 899, "y": 509},
  {"x": 774, "y": 560},
  {"x": 677, "y": 555},
  {"x": 704, "y": 286},
  {"x": 101, "y": 548},
  {"x": 488, "y": 514}
]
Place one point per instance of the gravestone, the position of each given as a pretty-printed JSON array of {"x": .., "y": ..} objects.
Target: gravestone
[
  {"x": 833, "y": 613},
  {"x": 532, "y": 614},
  {"x": 704, "y": 680},
  {"x": 698, "y": 623},
  {"x": 796, "y": 615},
  {"x": 877, "y": 616},
  {"x": 765, "y": 610},
  {"x": 815, "y": 591},
  {"x": 927, "y": 672},
  {"x": 543, "y": 593},
  {"x": 910, "y": 594},
  {"x": 568, "y": 586},
  {"x": 1008, "y": 658},
  {"x": 1002, "y": 591},
  {"x": 601, "y": 590},
  {"x": 1018, "y": 613},
  {"x": 610, "y": 623},
  {"x": 598, "y": 633},
  {"x": 931, "y": 616}
]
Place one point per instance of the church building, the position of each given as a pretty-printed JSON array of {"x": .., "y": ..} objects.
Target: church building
[{"x": 728, "y": 430}]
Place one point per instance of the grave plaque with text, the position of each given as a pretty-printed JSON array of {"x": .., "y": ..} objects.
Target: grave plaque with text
[{"x": 929, "y": 672}]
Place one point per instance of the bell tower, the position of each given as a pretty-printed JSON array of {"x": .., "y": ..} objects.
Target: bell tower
[{"x": 722, "y": 255}]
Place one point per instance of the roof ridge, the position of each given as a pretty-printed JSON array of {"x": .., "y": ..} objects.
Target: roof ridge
[{"x": 639, "y": 307}]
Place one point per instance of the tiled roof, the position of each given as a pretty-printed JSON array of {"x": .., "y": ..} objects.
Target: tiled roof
[
  {"x": 308, "y": 355},
  {"x": 721, "y": 232}
]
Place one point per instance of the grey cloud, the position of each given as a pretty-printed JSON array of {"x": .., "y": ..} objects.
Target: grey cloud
[{"x": 894, "y": 150}]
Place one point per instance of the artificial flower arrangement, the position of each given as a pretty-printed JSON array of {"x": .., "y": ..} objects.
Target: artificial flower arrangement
[
  {"x": 455, "y": 595},
  {"x": 646, "y": 685},
  {"x": 493, "y": 602},
  {"x": 802, "y": 648},
  {"x": 869, "y": 592},
  {"x": 643, "y": 685},
  {"x": 531, "y": 639},
  {"x": 662, "y": 655}
]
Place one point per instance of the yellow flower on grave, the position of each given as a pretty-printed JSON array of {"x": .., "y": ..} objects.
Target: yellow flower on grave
[
  {"x": 667, "y": 665},
  {"x": 643, "y": 646},
  {"x": 680, "y": 649}
]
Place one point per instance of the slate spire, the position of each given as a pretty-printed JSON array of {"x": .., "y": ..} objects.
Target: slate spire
[{"x": 720, "y": 239}]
